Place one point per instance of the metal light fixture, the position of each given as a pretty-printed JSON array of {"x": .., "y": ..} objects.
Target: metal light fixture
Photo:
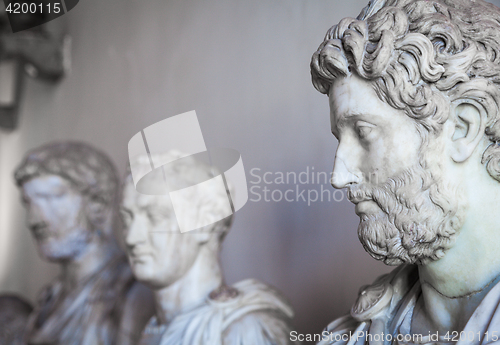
[
  {"x": 36, "y": 52},
  {"x": 10, "y": 91}
]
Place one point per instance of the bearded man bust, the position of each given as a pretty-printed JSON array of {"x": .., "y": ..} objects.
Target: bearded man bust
[
  {"x": 414, "y": 97},
  {"x": 69, "y": 190}
]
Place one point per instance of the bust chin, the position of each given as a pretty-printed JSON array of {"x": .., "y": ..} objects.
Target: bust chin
[{"x": 414, "y": 98}]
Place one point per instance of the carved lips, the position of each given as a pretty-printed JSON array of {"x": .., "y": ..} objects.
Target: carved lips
[
  {"x": 40, "y": 231},
  {"x": 366, "y": 207},
  {"x": 138, "y": 256}
]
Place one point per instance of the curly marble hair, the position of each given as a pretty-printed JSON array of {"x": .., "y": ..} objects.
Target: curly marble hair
[
  {"x": 418, "y": 53},
  {"x": 89, "y": 171}
]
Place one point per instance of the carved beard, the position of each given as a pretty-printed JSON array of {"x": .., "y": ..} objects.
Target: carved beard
[{"x": 419, "y": 219}]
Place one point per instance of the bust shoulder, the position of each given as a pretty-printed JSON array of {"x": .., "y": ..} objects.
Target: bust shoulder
[
  {"x": 256, "y": 314},
  {"x": 265, "y": 327},
  {"x": 384, "y": 293},
  {"x": 376, "y": 304}
]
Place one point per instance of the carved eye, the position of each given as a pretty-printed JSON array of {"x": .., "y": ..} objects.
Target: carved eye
[
  {"x": 25, "y": 201},
  {"x": 126, "y": 217},
  {"x": 155, "y": 216},
  {"x": 363, "y": 131}
]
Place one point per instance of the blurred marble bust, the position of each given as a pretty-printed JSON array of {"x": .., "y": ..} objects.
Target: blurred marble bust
[
  {"x": 193, "y": 304},
  {"x": 414, "y": 103},
  {"x": 14, "y": 314},
  {"x": 69, "y": 190}
]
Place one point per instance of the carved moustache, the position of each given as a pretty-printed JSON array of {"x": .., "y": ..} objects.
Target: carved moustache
[{"x": 40, "y": 230}]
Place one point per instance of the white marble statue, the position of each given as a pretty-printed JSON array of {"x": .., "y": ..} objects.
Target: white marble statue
[
  {"x": 194, "y": 306},
  {"x": 414, "y": 90},
  {"x": 69, "y": 190}
]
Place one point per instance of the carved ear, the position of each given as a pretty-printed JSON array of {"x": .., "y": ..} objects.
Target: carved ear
[
  {"x": 98, "y": 213},
  {"x": 203, "y": 235},
  {"x": 213, "y": 233},
  {"x": 470, "y": 122}
]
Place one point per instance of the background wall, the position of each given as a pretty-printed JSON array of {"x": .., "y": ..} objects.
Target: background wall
[{"x": 244, "y": 67}]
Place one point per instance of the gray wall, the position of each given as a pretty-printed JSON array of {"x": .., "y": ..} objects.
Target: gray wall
[{"x": 244, "y": 67}]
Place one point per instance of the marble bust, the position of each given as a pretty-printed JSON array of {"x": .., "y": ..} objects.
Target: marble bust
[
  {"x": 69, "y": 190},
  {"x": 414, "y": 100},
  {"x": 194, "y": 306}
]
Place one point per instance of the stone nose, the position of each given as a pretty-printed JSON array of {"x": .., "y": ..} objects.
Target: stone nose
[
  {"x": 343, "y": 174},
  {"x": 33, "y": 215},
  {"x": 136, "y": 232}
]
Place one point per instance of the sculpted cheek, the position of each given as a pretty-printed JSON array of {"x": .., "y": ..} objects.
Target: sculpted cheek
[{"x": 378, "y": 159}]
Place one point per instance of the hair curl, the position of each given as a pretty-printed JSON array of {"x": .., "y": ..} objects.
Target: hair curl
[{"x": 419, "y": 56}]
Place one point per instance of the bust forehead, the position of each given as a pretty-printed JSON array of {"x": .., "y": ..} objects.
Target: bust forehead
[
  {"x": 132, "y": 199},
  {"x": 354, "y": 98},
  {"x": 47, "y": 184},
  {"x": 351, "y": 94}
]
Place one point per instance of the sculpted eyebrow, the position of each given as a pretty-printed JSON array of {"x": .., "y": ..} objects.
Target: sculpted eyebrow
[
  {"x": 126, "y": 210},
  {"x": 342, "y": 118}
]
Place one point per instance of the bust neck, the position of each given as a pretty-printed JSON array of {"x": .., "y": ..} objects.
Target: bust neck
[
  {"x": 192, "y": 289},
  {"x": 453, "y": 287},
  {"x": 95, "y": 256}
]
